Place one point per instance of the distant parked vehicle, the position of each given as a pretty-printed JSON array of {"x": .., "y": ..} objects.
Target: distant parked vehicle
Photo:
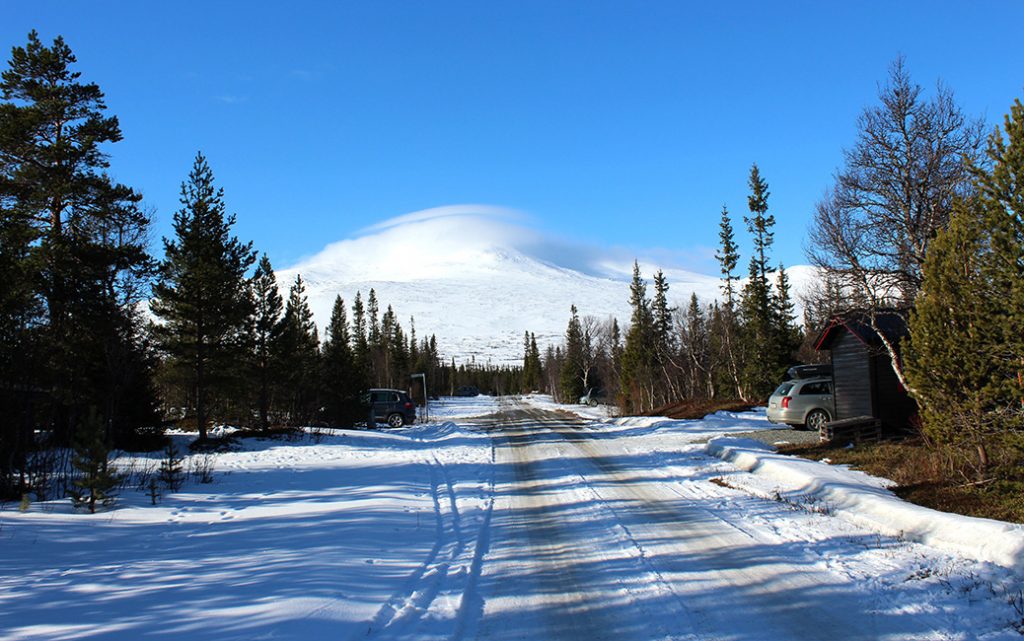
[
  {"x": 803, "y": 403},
  {"x": 390, "y": 406},
  {"x": 467, "y": 390},
  {"x": 590, "y": 398}
]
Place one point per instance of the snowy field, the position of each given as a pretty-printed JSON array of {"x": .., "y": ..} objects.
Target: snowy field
[{"x": 415, "y": 534}]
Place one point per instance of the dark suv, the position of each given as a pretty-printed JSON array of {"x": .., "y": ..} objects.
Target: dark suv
[{"x": 390, "y": 406}]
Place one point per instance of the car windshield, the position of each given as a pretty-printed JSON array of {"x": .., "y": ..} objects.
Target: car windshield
[{"x": 783, "y": 389}]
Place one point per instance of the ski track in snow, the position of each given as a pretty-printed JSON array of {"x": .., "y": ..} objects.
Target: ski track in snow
[{"x": 503, "y": 521}]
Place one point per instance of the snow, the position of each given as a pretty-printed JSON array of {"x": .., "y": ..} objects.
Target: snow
[
  {"x": 498, "y": 520},
  {"x": 865, "y": 500},
  {"x": 479, "y": 276}
]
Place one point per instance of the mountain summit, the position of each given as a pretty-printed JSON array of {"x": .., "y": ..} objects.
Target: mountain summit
[{"x": 478, "y": 278}]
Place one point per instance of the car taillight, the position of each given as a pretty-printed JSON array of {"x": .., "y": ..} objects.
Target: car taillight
[
  {"x": 785, "y": 402},
  {"x": 408, "y": 405}
]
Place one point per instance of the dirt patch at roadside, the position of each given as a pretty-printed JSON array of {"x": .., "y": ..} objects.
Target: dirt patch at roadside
[{"x": 696, "y": 409}]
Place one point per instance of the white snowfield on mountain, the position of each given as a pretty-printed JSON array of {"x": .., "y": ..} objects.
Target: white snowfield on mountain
[{"x": 478, "y": 276}]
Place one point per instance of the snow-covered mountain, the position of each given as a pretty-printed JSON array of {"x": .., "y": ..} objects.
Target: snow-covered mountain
[{"x": 478, "y": 278}]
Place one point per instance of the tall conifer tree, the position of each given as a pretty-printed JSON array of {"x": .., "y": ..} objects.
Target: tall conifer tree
[
  {"x": 266, "y": 336},
  {"x": 76, "y": 241},
  {"x": 338, "y": 364},
  {"x": 202, "y": 298},
  {"x": 300, "y": 349}
]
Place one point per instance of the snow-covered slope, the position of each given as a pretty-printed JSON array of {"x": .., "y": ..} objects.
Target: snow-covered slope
[{"x": 478, "y": 278}]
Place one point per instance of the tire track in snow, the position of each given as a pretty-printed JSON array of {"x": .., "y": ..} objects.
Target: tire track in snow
[
  {"x": 448, "y": 572},
  {"x": 406, "y": 606},
  {"x": 471, "y": 607}
]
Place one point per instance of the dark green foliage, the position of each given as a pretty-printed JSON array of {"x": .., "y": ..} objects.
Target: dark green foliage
[
  {"x": 340, "y": 382},
  {"x": 966, "y": 354},
  {"x": 766, "y": 335},
  {"x": 638, "y": 356},
  {"x": 172, "y": 473},
  {"x": 726, "y": 337},
  {"x": 266, "y": 337},
  {"x": 532, "y": 372},
  {"x": 203, "y": 298},
  {"x": 787, "y": 333},
  {"x": 571, "y": 376},
  {"x": 95, "y": 477},
  {"x": 299, "y": 356},
  {"x": 73, "y": 262}
]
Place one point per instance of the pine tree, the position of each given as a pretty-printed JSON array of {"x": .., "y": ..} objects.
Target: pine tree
[
  {"x": 96, "y": 478},
  {"x": 76, "y": 242},
  {"x": 202, "y": 297},
  {"x": 299, "y": 355},
  {"x": 266, "y": 335}
]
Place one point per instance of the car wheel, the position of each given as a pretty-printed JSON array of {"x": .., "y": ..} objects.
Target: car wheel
[
  {"x": 396, "y": 420},
  {"x": 816, "y": 420}
]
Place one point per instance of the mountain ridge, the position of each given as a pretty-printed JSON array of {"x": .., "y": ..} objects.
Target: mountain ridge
[{"x": 469, "y": 278}]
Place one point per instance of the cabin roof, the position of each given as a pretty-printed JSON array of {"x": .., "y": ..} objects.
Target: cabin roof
[{"x": 890, "y": 323}]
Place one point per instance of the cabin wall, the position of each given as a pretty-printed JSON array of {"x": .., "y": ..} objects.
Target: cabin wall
[
  {"x": 851, "y": 377},
  {"x": 894, "y": 405}
]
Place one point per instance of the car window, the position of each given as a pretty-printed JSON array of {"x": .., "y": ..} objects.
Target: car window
[
  {"x": 784, "y": 389},
  {"x": 394, "y": 398},
  {"x": 814, "y": 388}
]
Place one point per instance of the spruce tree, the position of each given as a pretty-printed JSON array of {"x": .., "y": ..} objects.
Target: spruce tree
[
  {"x": 531, "y": 364},
  {"x": 266, "y": 336},
  {"x": 728, "y": 258},
  {"x": 96, "y": 477},
  {"x": 662, "y": 317},
  {"x": 570, "y": 377},
  {"x": 787, "y": 333},
  {"x": 172, "y": 473},
  {"x": 338, "y": 365},
  {"x": 966, "y": 354},
  {"x": 299, "y": 355},
  {"x": 360, "y": 344},
  {"x": 638, "y": 355},
  {"x": 762, "y": 358},
  {"x": 202, "y": 298}
]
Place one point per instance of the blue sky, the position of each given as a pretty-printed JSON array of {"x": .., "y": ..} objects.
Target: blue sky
[{"x": 625, "y": 124}]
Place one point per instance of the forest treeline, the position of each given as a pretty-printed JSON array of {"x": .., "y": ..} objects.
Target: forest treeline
[
  {"x": 101, "y": 344},
  {"x": 924, "y": 220},
  {"x": 737, "y": 347}
]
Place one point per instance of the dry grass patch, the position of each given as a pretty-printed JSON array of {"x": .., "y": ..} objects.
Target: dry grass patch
[
  {"x": 696, "y": 409},
  {"x": 928, "y": 476}
]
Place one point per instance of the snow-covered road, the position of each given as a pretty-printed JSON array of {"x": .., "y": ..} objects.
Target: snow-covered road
[{"x": 509, "y": 521}]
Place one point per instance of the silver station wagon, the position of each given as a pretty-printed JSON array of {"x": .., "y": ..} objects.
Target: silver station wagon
[{"x": 803, "y": 403}]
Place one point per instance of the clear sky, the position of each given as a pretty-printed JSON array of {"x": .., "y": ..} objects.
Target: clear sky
[{"x": 625, "y": 124}]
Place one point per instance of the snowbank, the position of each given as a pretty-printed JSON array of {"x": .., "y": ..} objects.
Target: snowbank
[{"x": 864, "y": 500}]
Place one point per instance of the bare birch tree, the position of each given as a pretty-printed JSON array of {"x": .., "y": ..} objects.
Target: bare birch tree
[{"x": 896, "y": 190}]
